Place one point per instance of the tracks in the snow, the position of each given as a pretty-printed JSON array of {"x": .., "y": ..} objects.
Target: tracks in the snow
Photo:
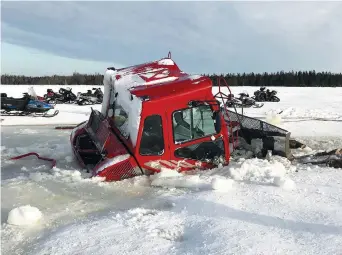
[
  {"x": 309, "y": 119},
  {"x": 300, "y": 119}
]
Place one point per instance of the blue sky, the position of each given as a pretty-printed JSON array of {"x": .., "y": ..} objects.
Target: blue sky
[{"x": 50, "y": 37}]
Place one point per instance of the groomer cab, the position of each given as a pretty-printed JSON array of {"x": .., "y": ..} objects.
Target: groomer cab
[{"x": 153, "y": 116}]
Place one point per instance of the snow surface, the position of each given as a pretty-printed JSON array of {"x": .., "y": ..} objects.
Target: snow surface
[
  {"x": 254, "y": 206},
  {"x": 222, "y": 184},
  {"x": 131, "y": 104},
  {"x": 162, "y": 80},
  {"x": 166, "y": 61}
]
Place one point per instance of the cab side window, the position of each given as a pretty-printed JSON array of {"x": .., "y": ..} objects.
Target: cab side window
[
  {"x": 121, "y": 120},
  {"x": 193, "y": 123},
  {"x": 152, "y": 140}
]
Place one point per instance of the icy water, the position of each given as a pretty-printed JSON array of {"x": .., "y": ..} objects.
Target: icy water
[
  {"x": 162, "y": 220},
  {"x": 65, "y": 194}
]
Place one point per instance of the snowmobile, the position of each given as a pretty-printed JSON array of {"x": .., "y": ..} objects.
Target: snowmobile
[
  {"x": 141, "y": 129},
  {"x": 64, "y": 95},
  {"x": 243, "y": 101},
  {"x": 27, "y": 105},
  {"x": 265, "y": 96},
  {"x": 33, "y": 94},
  {"x": 332, "y": 158},
  {"x": 90, "y": 97}
]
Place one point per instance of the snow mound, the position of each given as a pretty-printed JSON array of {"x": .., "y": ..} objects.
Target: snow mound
[
  {"x": 258, "y": 170},
  {"x": 63, "y": 175},
  {"x": 272, "y": 171},
  {"x": 166, "y": 173},
  {"x": 24, "y": 215},
  {"x": 173, "y": 179},
  {"x": 290, "y": 168},
  {"x": 75, "y": 176},
  {"x": 273, "y": 118},
  {"x": 142, "y": 180},
  {"x": 284, "y": 183},
  {"x": 37, "y": 176},
  {"x": 221, "y": 184}
]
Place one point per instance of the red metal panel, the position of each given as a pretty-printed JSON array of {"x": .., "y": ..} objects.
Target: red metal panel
[
  {"x": 114, "y": 147},
  {"x": 123, "y": 170},
  {"x": 165, "y": 108}
]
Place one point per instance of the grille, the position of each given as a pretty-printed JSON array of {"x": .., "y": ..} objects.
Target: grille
[{"x": 121, "y": 171}]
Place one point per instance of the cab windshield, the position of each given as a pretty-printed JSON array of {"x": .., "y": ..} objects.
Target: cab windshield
[{"x": 193, "y": 123}]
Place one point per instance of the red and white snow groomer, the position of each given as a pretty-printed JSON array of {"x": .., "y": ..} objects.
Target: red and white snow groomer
[{"x": 153, "y": 116}]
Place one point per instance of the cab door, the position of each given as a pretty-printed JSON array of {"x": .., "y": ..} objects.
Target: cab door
[
  {"x": 195, "y": 140},
  {"x": 153, "y": 151}
]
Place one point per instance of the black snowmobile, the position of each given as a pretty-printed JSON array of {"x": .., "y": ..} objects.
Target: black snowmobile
[
  {"x": 265, "y": 96},
  {"x": 242, "y": 101},
  {"x": 63, "y": 96},
  {"x": 89, "y": 97},
  {"x": 27, "y": 105},
  {"x": 332, "y": 158}
]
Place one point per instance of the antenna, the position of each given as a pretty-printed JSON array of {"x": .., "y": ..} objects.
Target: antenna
[{"x": 169, "y": 55}]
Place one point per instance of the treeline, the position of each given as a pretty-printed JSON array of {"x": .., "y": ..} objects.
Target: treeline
[
  {"x": 287, "y": 79},
  {"x": 74, "y": 79},
  {"x": 283, "y": 79}
]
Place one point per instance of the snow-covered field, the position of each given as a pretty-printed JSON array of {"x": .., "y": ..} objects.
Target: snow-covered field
[
  {"x": 68, "y": 114},
  {"x": 253, "y": 206},
  {"x": 305, "y": 111}
]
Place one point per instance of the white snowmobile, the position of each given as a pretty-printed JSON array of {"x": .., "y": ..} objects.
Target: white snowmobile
[{"x": 90, "y": 98}]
